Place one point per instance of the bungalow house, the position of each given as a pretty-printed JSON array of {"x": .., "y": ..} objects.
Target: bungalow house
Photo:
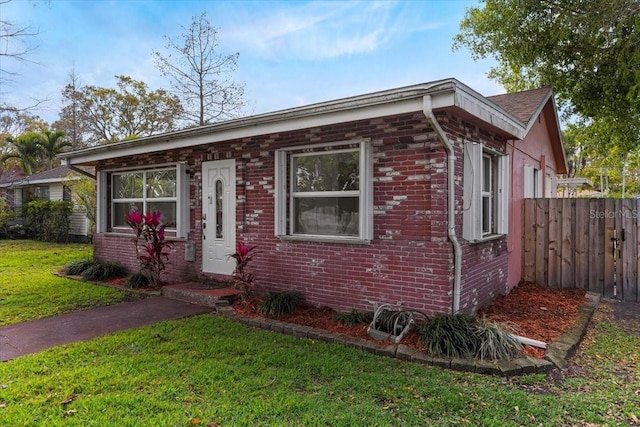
[
  {"x": 6, "y": 179},
  {"x": 536, "y": 161},
  {"x": 399, "y": 196},
  {"x": 48, "y": 185}
]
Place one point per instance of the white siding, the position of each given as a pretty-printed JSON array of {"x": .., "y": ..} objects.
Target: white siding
[{"x": 56, "y": 192}]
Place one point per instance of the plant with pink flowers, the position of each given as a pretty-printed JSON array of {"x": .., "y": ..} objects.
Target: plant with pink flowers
[
  {"x": 242, "y": 279},
  {"x": 152, "y": 249}
]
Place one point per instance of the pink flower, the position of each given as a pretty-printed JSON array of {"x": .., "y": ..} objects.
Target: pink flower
[
  {"x": 134, "y": 218},
  {"x": 161, "y": 234},
  {"x": 153, "y": 218},
  {"x": 242, "y": 249}
]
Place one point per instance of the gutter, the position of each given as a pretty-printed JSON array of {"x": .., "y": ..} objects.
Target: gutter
[
  {"x": 451, "y": 223},
  {"x": 76, "y": 169}
]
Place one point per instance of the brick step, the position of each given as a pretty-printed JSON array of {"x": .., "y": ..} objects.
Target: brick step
[{"x": 196, "y": 294}]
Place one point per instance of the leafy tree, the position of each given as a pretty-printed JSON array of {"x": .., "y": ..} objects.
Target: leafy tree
[
  {"x": 201, "y": 75},
  {"x": 52, "y": 143},
  {"x": 17, "y": 122},
  {"x": 593, "y": 152},
  {"x": 589, "y": 50},
  {"x": 131, "y": 110},
  {"x": 26, "y": 149},
  {"x": 71, "y": 120}
]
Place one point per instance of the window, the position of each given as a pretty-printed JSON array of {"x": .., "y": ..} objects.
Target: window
[
  {"x": 325, "y": 191},
  {"x": 146, "y": 191},
  {"x": 66, "y": 193},
  {"x": 165, "y": 190},
  {"x": 486, "y": 195},
  {"x": 38, "y": 192}
]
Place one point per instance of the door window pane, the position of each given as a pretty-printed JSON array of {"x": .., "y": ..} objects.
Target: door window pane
[{"x": 219, "y": 209}]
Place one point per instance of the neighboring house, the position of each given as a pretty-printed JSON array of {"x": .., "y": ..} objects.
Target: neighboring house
[
  {"x": 6, "y": 179},
  {"x": 536, "y": 160},
  {"x": 47, "y": 185},
  {"x": 400, "y": 196},
  {"x": 576, "y": 187}
]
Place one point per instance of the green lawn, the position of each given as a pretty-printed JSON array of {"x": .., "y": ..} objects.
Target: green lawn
[
  {"x": 212, "y": 371},
  {"x": 29, "y": 290}
]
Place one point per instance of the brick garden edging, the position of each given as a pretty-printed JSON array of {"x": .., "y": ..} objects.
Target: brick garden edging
[{"x": 556, "y": 356}]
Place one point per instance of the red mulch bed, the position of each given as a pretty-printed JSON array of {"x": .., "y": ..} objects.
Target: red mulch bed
[{"x": 534, "y": 311}]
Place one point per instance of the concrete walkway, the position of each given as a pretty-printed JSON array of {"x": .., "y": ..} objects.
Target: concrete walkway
[{"x": 37, "y": 335}]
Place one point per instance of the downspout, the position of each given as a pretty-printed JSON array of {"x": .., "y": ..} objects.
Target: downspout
[{"x": 451, "y": 217}]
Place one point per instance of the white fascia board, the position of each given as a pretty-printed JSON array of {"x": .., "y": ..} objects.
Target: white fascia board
[
  {"x": 536, "y": 114},
  {"x": 478, "y": 106},
  {"x": 27, "y": 182},
  {"x": 247, "y": 128}
]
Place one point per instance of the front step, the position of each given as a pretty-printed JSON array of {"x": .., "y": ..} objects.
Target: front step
[{"x": 197, "y": 294}]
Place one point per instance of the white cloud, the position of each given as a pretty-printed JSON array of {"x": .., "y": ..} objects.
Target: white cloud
[{"x": 324, "y": 30}]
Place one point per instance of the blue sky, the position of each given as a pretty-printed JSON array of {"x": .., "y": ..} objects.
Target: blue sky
[{"x": 291, "y": 53}]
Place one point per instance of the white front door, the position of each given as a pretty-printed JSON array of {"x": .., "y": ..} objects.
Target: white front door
[{"x": 218, "y": 216}]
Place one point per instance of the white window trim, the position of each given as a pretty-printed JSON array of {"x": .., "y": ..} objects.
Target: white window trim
[
  {"x": 283, "y": 163},
  {"x": 104, "y": 203},
  {"x": 532, "y": 182},
  {"x": 472, "y": 197}
]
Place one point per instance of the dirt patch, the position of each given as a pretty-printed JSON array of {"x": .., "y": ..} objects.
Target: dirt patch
[
  {"x": 533, "y": 311},
  {"x": 626, "y": 315}
]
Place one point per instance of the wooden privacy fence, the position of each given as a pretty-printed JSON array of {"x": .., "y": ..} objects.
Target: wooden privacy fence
[{"x": 592, "y": 244}]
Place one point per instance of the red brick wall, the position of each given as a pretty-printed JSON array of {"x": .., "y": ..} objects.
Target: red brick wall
[
  {"x": 410, "y": 259},
  {"x": 484, "y": 265}
]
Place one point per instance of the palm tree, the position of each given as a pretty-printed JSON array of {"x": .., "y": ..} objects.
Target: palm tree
[
  {"x": 52, "y": 144},
  {"x": 26, "y": 148}
]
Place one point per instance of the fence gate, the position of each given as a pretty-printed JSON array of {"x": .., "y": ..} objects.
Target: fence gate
[{"x": 592, "y": 244}]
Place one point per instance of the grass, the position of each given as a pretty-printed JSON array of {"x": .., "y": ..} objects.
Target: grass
[
  {"x": 29, "y": 290},
  {"x": 211, "y": 371}
]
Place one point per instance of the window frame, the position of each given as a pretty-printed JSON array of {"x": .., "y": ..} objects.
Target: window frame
[
  {"x": 474, "y": 193},
  {"x": 145, "y": 199},
  {"x": 532, "y": 182},
  {"x": 284, "y": 226},
  {"x": 105, "y": 203}
]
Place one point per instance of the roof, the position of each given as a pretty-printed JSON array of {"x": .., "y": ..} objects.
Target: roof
[
  {"x": 574, "y": 182},
  {"x": 45, "y": 177},
  {"x": 445, "y": 95},
  {"x": 10, "y": 176},
  {"x": 525, "y": 104}
]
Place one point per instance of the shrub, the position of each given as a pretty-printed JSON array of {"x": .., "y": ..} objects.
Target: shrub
[
  {"x": 353, "y": 317},
  {"x": 461, "y": 335},
  {"x": 6, "y": 215},
  {"x": 278, "y": 303},
  {"x": 76, "y": 268},
  {"x": 496, "y": 342},
  {"x": 103, "y": 271},
  {"x": 242, "y": 279},
  {"x": 451, "y": 335},
  {"x": 156, "y": 248},
  {"x": 137, "y": 280},
  {"x": 47, "y": 220}
]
